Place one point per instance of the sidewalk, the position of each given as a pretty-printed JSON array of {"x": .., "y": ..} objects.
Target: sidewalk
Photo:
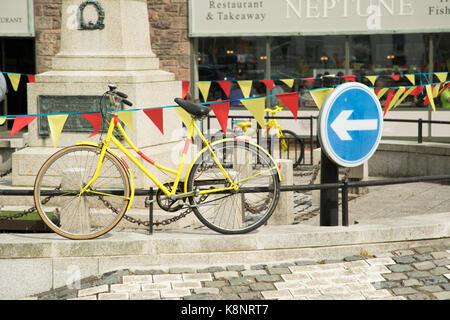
[{"x": 398, "y": 249}]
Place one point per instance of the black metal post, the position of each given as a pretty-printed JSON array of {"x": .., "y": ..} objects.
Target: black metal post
[
  {"x": 420, "y": 128},
  {"x": 150, "y": 212},
  {"x": 329, "y": 208},
  {"x": 345, "y": 204}
]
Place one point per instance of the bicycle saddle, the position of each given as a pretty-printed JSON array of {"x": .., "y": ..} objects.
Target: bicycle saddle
[{"x": 196, "y": 110}]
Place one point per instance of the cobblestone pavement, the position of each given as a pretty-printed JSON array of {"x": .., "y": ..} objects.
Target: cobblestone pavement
[{"x": 421, "y": 273}]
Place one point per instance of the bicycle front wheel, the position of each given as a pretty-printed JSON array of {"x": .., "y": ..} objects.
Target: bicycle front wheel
[
  {"x": 247, "y": 206},
  {"x": 81, "y": 216}
]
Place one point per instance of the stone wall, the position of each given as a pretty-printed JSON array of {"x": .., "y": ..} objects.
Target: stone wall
[{"x": 169, "y": 34}]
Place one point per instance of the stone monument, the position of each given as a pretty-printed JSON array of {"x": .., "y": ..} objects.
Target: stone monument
[{"x": 102, "y": 42}]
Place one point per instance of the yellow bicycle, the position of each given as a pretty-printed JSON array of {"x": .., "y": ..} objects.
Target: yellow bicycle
[
  {"x": 83, "y": 191},
  {"x": 290, "y": 145}
]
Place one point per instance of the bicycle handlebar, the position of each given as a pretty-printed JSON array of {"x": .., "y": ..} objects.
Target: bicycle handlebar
[{"x": 113, "y": 94}]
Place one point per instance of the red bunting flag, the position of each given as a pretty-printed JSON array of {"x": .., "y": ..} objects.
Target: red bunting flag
[
  {"x": 350, "y": 77},
  {"x": 96, "y": 121},
  {"x": 290, "y": 100},
  {"x": 226, "y": 87},
  {"x": 31, "y": 78},
  {"x": 269, "y": 83},
  {"x": 221, "y": 111},
  {"x": 388, "y": 100},
  {"x": 395, "y": 77},
  {"x": 185, "y": 89},
  {"x": 309, "y": 79},
  {"x": 417, "y": 91},
  {"x": 156, "y": 115},
  {"x": 21, "y": 122}
]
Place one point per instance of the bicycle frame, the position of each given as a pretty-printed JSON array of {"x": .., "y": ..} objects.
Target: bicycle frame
[{"x": 171, "y": 194}]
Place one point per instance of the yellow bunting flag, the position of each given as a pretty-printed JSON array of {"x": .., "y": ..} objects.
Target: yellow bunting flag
[
  {"x": 127, "y": 118},
  {"x": 382, "y": 92},
  {"x": 411, "y": 78},
  {"x": 319, "y": 96},
  {"x": 246, "y": 87},
  {"x": 15, "y": 80},
  {"x": 430, "y": 96},
  {"x": 407, "y": 93},
  {"x": 436, "y": 90},
  {"x": 372, "y": 79},
  {"x": 56, "y": 124},
  {"x": 2, "y": 120},
  {"x": 442, "y": 76},
  {"x": 204, "y": 88},
  {"x": 256, "y": 107},
  {"x": 288, "y": 82},
  {"x": 184, "y": 116},
  {"x": 397, "y": 95}
]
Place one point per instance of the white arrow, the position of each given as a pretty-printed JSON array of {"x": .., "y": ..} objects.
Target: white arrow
[{"x": 341, "y": 125}]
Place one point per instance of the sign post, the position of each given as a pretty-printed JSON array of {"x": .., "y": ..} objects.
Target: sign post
[{"x": 350, "y": 128}]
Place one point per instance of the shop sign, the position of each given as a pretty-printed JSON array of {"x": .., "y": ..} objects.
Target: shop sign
[
  {"x": 16, "y": 18},
  {"x": 316, "y": 17}
]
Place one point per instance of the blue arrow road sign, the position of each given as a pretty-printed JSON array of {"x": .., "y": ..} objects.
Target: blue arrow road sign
[{"x": 350, "y": 124}]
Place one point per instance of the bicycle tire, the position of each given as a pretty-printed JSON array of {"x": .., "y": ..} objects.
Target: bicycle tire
[
  {"x": 297, "y": 155},
  {"x": 234, "y": 212},
  {"x": 92, "y": 214}
]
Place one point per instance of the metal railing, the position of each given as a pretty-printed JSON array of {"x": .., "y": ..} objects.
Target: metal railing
[{"x": 420, "y": 123}]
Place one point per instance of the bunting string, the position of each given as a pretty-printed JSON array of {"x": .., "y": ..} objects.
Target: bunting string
[{"x": 255, "y": 105}]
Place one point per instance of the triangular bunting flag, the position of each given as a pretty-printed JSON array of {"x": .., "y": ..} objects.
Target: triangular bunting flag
[
  {"x": 2, "y": 120},
  {"x": 21, "y": 122},
  {"x": 31, "y": 78},
  {"x": 397, "y": 95},
  {"x": 256, "y": 107},
  {"x": 372, "y": 79},
  {"x": 15, "y": 80},
  {"x": 290, "y": 100},
  {"x": 388, "y": 100},
  {"x": 127, "y": 118},
  {"x": 221, "y": 111},
  {"x": 436, "y": 89},
  {"x": 411, "y": 78},
  {"x": 288, "y": 82},
  {"x": 269, "y": 83},
  {"x": 226, "y": 87},
  {"x": 96, "y": 121},
  {"x": 407, "y": 93},
  {"x": 246, "y": 87},
  {"x": 350, "y": 77},
  {"x": 185, "y": 88},
  {"x": 430, "y": 96},
  {"x": 442, "y": 76},
  {"x": 395, "y": 77},
  {"x": 417, "y": 91},
  {"x": 204, "y": 88},
  {"x": 309, "y": 79},
  {"x": 56, "y": 124},
  {"x": 156, "y": 115},
  {"x": 184, "y": 116},
  {"x": 319, "y": 96}
]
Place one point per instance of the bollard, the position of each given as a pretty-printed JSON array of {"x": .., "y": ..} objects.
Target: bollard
[
  {"x": 329, "y": 209},
  {"x": 284, "y": 212}
]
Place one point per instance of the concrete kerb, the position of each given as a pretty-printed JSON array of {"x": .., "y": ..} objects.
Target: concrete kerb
[{"x": 33, "y": 263}]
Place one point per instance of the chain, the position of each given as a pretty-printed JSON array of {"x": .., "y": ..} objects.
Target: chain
[{"x": 147, "y": 223}]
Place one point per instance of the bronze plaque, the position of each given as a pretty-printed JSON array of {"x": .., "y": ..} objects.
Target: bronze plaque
[{"x": 48, "y": 104}]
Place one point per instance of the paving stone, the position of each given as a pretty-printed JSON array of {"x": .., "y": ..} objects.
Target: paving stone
[
  {"x": 235, "y": 268},
  {"x": 197, "y": 276},
  {"x": 394, "y": 276},
  {"x": 268, "y": 278},
  {"x": 182, "y": 270},
  {"x": 261, "y": 286},
  {"x": 295, "y": 277},
  {"x": 235, "y": 289},
  {"x": 210, "y": 270},
  {"x": 440, "y": 254},
  {"x": 186, "y": 284},
  {"x": 113, "y": 296},
  {"x": 148, "y": 295},
  {"x": 228, "y": 296},
  {"x": 259, "y": 267},
  {"x": 278, "y": 270},
  {"x": 175, "y": 293},
  {"x": 354, "y": 258},
  {"x": 425, "y": 249},
  {"x": 386, "y": 284},
  {"x": 434, "y": 280},
  {"x": 447, "y": 275},
  {"x": 241, "y": 281},
  {"x": 129, "y": 287},
  {"x": 404, "y": 259},
  {"x": 445, "y": 286},
  {"x": 305, "y": 262},
  {"x": 137, "y": 279},
  {"x": 400, "y": 268},
  {"x": 445, "y": 295},
  {"x": 215, "y": 284},
  {"x": 277, "y": 294},
  {"x": 253, "y": 272},
  {"x": 439, "y": 271},
  {"x": 411, "y": 282},
  {"x": 380, "y": 261},
  {"x": 166, "y": 277},
  {"x": 226, "y": 274},
  {"x": 442, "y": 262},
  {"x": 404, "y": 291},
  {"x": 419, "y": 296},
  {"x": 418, "y": 274},
  {"x": 206, "y": 290},
  {"x": 93, "y": 290},
  {"x": 425, "y": 265},
  {"x": 250, "y": 296},
  {"x": 156, "y": 286},
  {"x": 423, "y": 257},
  {"x": 198, "y": 297},
  {"x": 433, "y": 288},
  {"x": 375, "y": 294},
  {"x": 401, "y": 253}
]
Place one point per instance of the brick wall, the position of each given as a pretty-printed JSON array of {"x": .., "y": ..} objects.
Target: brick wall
[{"x": 168, "y": 34}]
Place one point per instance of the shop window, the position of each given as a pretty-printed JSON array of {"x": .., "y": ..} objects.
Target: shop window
[
  {"x": 16, "y": 56},
  {"x": 241, "y": 58},
  {"x": 442, "y": 52}
]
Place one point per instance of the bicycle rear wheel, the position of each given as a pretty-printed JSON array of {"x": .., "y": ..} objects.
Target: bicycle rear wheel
[
  {"x": 95, "y": 212},
  {"x": 234, "y": 211},
  {"x": 291, "y": 147}
]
